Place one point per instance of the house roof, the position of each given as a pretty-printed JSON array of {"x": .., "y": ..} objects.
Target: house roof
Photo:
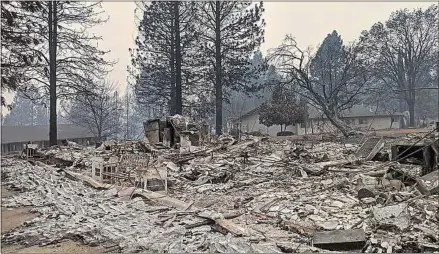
[
  {"x": 251, "y": 112},
  {"x": 13, "y": 134},
  {"x": 355, "y": 111}
]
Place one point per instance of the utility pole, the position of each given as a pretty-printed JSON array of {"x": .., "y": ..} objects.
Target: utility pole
[
  {"x": 127, "y": 106},
  {"x": 116, "y": 95}
]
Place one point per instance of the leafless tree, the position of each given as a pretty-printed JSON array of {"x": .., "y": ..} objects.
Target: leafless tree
[
  {"x": 383, "y": 100},
  {"x": 404, "y": 51},
  {"x": 332, "y": 80},
  {"x": 97, "y": 111}
]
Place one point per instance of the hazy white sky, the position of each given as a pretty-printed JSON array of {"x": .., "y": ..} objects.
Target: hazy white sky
[{"x": 308, "y": 22}]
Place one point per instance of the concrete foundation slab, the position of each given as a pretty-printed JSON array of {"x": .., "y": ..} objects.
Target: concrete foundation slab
[{"x": 351, "y": 239}]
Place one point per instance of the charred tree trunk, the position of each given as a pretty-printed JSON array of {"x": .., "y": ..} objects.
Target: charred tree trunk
[
  {"x": 411, "y": 105},
  {"x": 344, "y": 128},
  {"x": 52, "y": 76},
  {"x": 401, "y": 103},
  {"x": 172, "y": 105},
  {"x": 218, "y": 68},
  {"x": 178, "y": 60}
]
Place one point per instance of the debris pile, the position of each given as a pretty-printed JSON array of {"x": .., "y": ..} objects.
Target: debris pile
[{"x": 252, "y": 195}]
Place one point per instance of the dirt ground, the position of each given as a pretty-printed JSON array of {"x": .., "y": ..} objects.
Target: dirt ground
[
  {"x": 6, "y": 193},
  {"x": 63, "y": 247},
  {"x": 14, "y": 217}
]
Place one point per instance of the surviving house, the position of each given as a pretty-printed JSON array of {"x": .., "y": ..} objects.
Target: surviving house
[
  {"x": 359, "y": 117},
  {"x": 249, "y": 122},
  {"x": 14, "y": 138}
]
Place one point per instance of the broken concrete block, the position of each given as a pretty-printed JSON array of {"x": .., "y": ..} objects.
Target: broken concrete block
[
  {"x": 364, "y": 191},
  {"x": 152, "y": 130},
  {"x": 429, "y": 183},
  {"x": 167, "y": 137},
  {"x": 351, "y": 239},
  {"x": 395, "y": 215}
]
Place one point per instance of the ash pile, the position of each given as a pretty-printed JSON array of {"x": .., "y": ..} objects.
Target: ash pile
[{"x": 182, "y": 189}]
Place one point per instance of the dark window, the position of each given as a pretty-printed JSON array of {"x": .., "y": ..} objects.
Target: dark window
[{"x": 306, "y": 124}]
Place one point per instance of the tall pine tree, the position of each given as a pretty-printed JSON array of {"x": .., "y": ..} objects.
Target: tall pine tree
[
  {"x": 240, "y": 102},
  {"x": 70, "y": 58},
  {"x": 232, "y": 31},
  {"x": 163, "y": 61},
  {"x": 18, "y": 38}
]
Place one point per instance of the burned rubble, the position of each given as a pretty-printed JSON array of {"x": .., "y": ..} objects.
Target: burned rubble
[{"x": 223, "y": 194}]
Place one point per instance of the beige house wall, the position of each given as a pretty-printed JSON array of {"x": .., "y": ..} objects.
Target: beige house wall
[{"x": 251, "y": 123}]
